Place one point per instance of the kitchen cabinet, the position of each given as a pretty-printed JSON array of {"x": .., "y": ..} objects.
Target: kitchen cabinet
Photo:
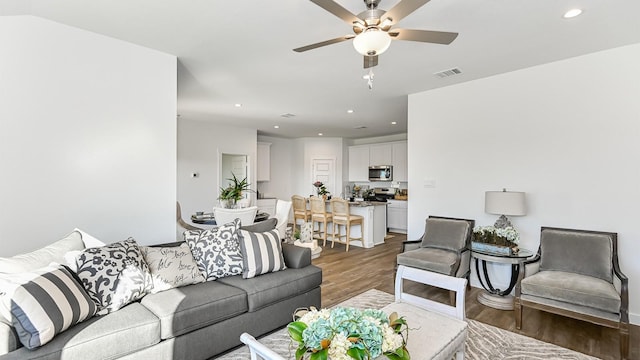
[
  {"x": 399, "y": 162},
  {"x": 397, "y": 216},
  {"x": 380, "y": 154},
  {"x": 359, "y": 163},
  {"x": 267, "y": 205},
  {"x": 264, "y": 161}
]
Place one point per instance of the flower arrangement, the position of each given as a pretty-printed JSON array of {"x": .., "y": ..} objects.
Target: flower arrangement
[
  {"x": 320, "y": 188},
  {"x": 349, "y": 333},
  {"x": 507, "y": 236}
]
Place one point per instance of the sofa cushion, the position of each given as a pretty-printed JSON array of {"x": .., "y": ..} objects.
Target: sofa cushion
[
  {"x": 261, "y": 226},
  {"x": 171, "y": 267},
  {"x": 42, "y": 257},
  {"x": 261, "y": 253},
  {"x": 130, "y": 329},
  {"x": 114, "y": 275},
  {"x": 579, "y": 252},
  {"x": 44, "y": 303},
  {"x": 192, "y": 307},
  {"x": 573, "y": 289},
  {"x": 431, "y": 259},
  {"x": 268, "y": 289},
  {"x": 216, "y": 251}
]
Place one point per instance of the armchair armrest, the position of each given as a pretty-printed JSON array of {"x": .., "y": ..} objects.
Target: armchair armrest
[
  {"x": 529, "y": 267},
  {"x": 296, "y": 257},
  {"x": 624, "y": 291},
  {"x": 410, "y": 245}
]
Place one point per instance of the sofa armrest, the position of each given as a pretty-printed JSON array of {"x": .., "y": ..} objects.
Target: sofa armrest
[
  {"x": 8, "y": 339},
  {"x": 296, "y": 257}
]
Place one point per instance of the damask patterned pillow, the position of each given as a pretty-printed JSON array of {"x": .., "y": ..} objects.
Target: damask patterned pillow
[
  {"x": 171, "y": 267},
  {"x": 114, "y": 275},
  {"x": 216, "y": 251}
]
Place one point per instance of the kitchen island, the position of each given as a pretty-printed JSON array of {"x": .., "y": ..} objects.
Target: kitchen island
[{"x": 374, "y": 228}]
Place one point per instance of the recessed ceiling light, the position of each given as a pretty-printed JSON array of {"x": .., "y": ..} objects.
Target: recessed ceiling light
[
  {"x": 320, "y": 134},
  {"x": 276, "y": 126},
  {"x": 350, "y": 111},
  {"x": 393, "y": 123},
  {"x": 238, "y": 105},
  {"x": 572, "y": 13}
]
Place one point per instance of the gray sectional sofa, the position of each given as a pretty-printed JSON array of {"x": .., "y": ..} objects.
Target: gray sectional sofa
[{"x": 191, "y": 322}]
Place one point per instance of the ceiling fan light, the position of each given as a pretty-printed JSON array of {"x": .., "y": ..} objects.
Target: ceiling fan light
[{"x": 372, "y": 41}]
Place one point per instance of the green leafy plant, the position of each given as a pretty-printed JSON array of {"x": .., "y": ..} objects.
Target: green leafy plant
[{"x": 234, "y": 190}]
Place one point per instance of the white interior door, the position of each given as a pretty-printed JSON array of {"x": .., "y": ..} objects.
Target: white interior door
[{"x": 324, "y": 170}]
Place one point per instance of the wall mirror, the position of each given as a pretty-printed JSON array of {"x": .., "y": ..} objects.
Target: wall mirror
[{"x": 233, "y": 164}]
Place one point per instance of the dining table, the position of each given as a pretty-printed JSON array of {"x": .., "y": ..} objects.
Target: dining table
[{"x": 209, "y": 219}]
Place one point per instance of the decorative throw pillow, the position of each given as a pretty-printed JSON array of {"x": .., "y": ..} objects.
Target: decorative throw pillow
[
  {"x": 42, "y": 257},
  {"x": 44, "y": 303},
  {"x": 216, "y": 251},
  {"x": 262, "y": 253},
  {"x": 114, "y": 275},
  {"x": 171, "y": 267}
]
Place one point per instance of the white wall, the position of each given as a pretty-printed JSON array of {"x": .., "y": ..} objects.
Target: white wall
[
  {"x": 567, "y": 133},
  {"x": 200, "y": 145},
  {"x": 87, "y": 136},
  {"x": 315, "y": 148}
]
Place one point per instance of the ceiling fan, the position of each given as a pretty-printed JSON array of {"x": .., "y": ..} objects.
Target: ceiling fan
[{"x": 372, "y": 28}]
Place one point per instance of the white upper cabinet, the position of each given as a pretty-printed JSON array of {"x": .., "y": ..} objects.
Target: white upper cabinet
[
  {"x": 400, "y": 165},
  {"x": 359, "y": 163},
  {"x": 264, "y": 161},
  {"x": 380, "y": 154}
]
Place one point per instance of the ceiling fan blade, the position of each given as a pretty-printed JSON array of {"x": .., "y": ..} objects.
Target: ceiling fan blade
[
  {"x": 370, "y": 61},
  {"x": 324, "y": 43},
  {"x": 337, "y": 10},
  {"x": 402, "y": 9},
  {"x": 436, "y": 37}
]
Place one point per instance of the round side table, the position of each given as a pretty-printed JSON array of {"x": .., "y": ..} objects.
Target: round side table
[{"x": 494, "y": 297}]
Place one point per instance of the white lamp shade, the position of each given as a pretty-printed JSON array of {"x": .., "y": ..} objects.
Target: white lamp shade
[
  {"x": 371, "y": 42},
  {"x": 504, "y": 203}
]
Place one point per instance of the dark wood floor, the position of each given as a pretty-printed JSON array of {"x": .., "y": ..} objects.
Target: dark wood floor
[{"x": 346, "y": 274}]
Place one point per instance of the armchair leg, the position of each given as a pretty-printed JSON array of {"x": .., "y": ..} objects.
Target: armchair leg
[
  {"x": 624, "y": 341},
  {"x": 518, "y": 312}
]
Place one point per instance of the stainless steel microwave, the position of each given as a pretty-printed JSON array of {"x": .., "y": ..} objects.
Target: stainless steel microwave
[{"x": 381, "y": 173}]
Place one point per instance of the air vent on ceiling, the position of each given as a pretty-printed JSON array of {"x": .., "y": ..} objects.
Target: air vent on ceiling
[
  {"x": 288, "y": 115},
  {"x": 360, "y": 127},
  {"x": 447, "y": 73}
]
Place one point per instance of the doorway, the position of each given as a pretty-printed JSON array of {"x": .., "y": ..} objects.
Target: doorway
[{"x": 323, "y": 169}]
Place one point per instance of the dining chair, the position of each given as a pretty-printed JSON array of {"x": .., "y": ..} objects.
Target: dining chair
[
  {"x": 320, "y": 215},
  {"x": 342, "y": 216},
  {"x": 247, "y": 216},
  {"x": 181, "y": 225},
  {"x": 300, "y": 210},
  {"x": 258, "y": 350},
  {"x": 283, "y": 208}
]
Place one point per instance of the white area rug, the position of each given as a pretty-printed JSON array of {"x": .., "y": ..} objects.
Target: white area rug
[{"x": 484, "y": 341}]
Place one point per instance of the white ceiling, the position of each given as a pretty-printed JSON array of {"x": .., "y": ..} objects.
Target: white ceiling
[{"x": 240, "y": 51}]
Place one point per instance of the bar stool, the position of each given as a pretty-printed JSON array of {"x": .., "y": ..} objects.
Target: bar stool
[
  {"x": 319, "y": 215},
  {"x": 300, "y": 210},
  {"x": 342, "y": 216}
]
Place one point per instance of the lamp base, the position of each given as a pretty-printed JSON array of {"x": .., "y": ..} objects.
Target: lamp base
[{"x": 502, "y": 222}]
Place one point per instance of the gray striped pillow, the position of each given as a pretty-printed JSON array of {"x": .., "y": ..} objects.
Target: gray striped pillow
[
  {"x": 45, "y": 303},
  {"x": 261, "y": 253}
]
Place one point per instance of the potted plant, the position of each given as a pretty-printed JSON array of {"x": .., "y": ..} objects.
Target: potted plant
[{"x": 232, "y": 193}]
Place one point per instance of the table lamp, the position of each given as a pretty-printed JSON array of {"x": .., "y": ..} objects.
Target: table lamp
[{"x": 504, "y": 203}]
